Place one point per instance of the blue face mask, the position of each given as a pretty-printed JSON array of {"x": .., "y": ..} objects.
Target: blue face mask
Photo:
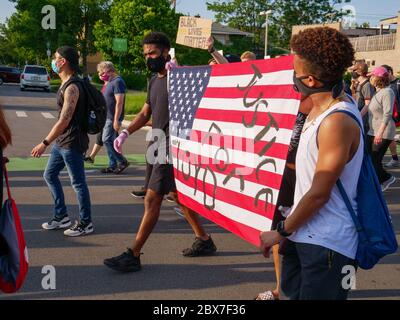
[{"x": 54, "y": 66}]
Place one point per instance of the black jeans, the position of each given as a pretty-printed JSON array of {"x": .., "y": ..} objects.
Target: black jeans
[
  {"x": 311, "y": 272},
  {"x": 377, "y": 153}
]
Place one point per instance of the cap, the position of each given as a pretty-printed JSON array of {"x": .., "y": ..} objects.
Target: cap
[{"x": 379, "y": 72}]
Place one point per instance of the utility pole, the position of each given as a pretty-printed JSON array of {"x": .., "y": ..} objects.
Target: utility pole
[
  {"x": 266, "y": 14},
  {"x": 173, "y": 4}
]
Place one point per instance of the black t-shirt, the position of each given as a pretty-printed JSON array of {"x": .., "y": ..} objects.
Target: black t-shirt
[
  {"x": 74, "y": 136},
  {"x": 295, "y": 140},
  {"x": 157, "y": 99}
]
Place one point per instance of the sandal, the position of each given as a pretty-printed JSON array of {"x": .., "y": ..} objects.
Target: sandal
[{"x": 267, "y": 295}]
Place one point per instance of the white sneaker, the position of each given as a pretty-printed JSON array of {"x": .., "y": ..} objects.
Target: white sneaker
[
  {"x": 56, "y": 224},
  {"x": 79, "y": 229},
  {"x": 392, "y": 164},
  {"x": 385, "y": 185}
]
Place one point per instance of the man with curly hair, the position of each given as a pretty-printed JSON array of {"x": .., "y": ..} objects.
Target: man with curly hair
[{"x": 320, "y": 236}]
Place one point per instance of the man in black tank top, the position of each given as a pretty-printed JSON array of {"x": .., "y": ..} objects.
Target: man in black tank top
[{"x": 71, "y": 142}]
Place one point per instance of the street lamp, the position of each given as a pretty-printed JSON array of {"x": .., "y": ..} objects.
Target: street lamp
[
  {"x": 266, "y": 14},
  {"x": 48, "y": 52}
]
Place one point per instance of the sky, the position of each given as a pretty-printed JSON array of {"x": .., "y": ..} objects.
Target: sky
[{"x": 366, "y": 11}]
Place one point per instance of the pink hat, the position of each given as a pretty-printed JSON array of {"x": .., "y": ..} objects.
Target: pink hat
[{"x": 379, "y": 72}]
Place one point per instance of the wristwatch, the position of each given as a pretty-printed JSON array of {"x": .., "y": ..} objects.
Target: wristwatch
[
  {"x": 211, "y": 50},
  {"x": 45, "y": 142},
  {"x": 280, "y": 228}
]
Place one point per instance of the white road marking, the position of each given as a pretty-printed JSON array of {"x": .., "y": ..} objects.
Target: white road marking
[
  {"x": 86, "y": 171},
  {"x": 48, "y": 115},
  {"x": 21, "y": 114}
]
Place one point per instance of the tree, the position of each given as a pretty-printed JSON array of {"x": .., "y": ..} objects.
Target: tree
[
  {"x": 132, "y": 20},
  {"x": 363, "y": 25},
  {"x": 74, "y": 25},
  {"x": 245, "y": 15},
  {"x": 288, "y": 13}
]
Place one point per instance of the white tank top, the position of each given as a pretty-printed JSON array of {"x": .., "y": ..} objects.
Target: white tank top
[{"x": 332, "y": 226}]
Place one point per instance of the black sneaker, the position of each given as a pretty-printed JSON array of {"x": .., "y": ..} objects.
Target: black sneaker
[
  {"x": 139, "y": 193},
  {"x": 89, "y": 160},
  {"x": 200, "y": 248},
  {"x": 108, "y": 170},
  {"x": 125, "y": 262},
  {"x": 121, "y": 167}
]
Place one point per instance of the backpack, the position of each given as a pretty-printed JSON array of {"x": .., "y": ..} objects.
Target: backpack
[
  {"x": 376, "y": 236},
  {"x": 13, "y": 251},
  {"x": 95, "y": 106}
]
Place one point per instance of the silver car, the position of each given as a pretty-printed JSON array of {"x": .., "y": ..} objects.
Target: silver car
[{"x": 35, "y": 77}]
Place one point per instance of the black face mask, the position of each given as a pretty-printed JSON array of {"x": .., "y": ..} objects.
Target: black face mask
[
  {"x": 156, "y": 64},
  {"x": 306, "y": 91},
  {"x": 354, "y": 75}
]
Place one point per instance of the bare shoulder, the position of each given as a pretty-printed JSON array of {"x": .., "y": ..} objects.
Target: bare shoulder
[
  {"x": 339, "y": 128},
  {"x": 72, "y": 91},
  {"x": 339, "y": 121}
]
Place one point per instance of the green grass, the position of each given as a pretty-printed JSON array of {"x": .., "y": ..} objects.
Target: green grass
[
  {"x": 39, "y": 164},
  {"x": 134, "y": 102}
]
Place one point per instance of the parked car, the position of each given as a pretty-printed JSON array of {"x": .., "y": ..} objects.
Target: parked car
[
  {"x": 9, "y": 75},
  {"x": 35, "y": 77}
]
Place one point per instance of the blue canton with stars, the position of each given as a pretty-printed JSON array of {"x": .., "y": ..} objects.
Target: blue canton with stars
[{"x": 186, "y": 89}]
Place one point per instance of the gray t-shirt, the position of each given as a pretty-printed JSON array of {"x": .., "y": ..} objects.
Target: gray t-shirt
[
  {"x": 364, "y": 91},
  {"x": 381, "y": 111},
  {"x": 115, "y": 86}
]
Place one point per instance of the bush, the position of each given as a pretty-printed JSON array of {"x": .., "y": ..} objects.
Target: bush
[
  {"x": 96, "y": 79},
  {"x": 347, "y": 78},
  {"x": 135, "y": 81}
]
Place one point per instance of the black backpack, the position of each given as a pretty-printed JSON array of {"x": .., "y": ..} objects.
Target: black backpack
[{"x": 96, "y": 109}]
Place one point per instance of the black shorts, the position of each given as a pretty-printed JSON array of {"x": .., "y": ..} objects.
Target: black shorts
[
  {"x": 312, "y": 272},
  {"x": 286, "y": 195},
  {"x": 160, "y": 178},
  {"x": 99, "y": 138}
]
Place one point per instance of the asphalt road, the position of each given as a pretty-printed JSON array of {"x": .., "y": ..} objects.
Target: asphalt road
[{"x": 237, "y": 271}]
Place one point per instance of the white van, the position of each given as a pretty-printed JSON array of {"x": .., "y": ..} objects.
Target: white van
[{"x": 35, "y": 77}]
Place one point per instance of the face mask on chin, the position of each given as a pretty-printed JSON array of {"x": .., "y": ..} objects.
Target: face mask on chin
[{"x": 156, "y": 64}]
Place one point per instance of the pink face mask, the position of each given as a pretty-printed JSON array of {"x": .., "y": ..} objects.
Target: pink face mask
[{"x": 105, "y": 77}]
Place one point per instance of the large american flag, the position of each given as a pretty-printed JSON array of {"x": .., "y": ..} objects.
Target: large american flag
[{"x": 230, "y": 128}]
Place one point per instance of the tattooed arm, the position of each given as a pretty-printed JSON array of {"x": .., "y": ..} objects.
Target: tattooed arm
[{"x": 71, "y": 96}]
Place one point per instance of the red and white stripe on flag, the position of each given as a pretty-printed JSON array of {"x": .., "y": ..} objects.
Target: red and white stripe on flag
[{"x": 229, "y": 168}]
